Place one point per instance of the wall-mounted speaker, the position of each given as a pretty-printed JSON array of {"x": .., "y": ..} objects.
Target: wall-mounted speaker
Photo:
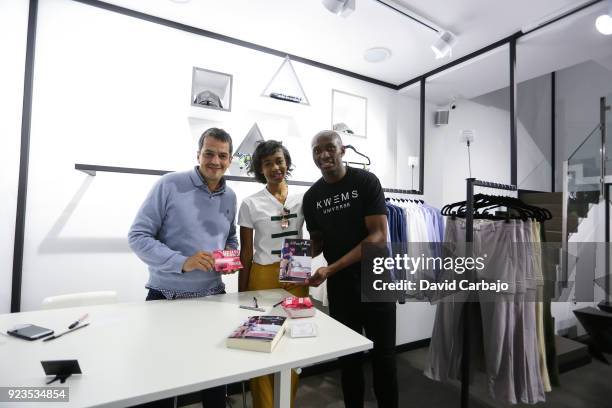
[{"x": 441, "y": 118}]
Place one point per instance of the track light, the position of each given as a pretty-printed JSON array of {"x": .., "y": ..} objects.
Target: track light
[
  {"x": 444, "y": 44},
  {"x": 604, "y": 22},
  {"x": 340, "y": 7}
]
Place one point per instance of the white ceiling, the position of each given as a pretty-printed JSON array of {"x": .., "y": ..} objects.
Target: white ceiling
[
  {"x": 552, "y": 48},
  {"x": 305, "y": 28}
]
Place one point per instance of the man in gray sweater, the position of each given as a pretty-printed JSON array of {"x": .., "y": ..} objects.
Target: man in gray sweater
[{"x": 185, "y": 217}]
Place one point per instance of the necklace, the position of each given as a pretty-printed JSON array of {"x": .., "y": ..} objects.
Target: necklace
[{"x": 282, "y": 197}]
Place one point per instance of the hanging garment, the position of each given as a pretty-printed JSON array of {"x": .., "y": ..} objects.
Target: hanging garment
[
  {"x": 415, "y": 229},
  {"x": 504, "y": 330}
]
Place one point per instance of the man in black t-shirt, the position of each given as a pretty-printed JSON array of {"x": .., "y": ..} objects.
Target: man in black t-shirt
[{"x": 343, "y": 209}]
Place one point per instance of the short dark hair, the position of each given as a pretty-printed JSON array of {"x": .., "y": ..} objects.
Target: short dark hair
[
  {"x": 265, "y": 149},
  {"x": 216, "y": 133},
  {"x": 328, "y": 133}
]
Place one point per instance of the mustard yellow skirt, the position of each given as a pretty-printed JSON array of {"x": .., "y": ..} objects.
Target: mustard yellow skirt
[{"x": 266, "y": 277}]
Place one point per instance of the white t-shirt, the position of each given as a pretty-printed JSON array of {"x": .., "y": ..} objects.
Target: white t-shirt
[{"x": 262, "y": 212}]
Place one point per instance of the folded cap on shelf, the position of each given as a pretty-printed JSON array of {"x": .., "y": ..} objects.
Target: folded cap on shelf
[
  {"x": 342, "y": 127},
  {"x": 208, "y": 98}
]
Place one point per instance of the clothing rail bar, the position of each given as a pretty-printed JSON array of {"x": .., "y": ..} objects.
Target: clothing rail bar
[
  {"x": 400, "y": 191},
  {"x": 92, "y": 169},
  {"x": 490, "y": 184}
]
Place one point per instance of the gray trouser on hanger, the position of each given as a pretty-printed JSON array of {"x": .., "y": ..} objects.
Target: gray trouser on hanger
[{"x": 509, "y": 343}]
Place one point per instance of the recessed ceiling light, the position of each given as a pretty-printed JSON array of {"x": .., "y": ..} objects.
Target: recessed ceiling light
[{"x": 377, "y": 54}]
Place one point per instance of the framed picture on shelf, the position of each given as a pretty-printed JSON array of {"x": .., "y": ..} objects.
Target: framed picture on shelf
[{"x": 349, "y": 114}]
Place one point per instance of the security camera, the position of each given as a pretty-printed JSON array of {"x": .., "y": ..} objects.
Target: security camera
[{"x": 453, "y": 106}]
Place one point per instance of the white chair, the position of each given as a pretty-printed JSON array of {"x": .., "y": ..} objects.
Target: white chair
[{"x": 80, "y": 299}]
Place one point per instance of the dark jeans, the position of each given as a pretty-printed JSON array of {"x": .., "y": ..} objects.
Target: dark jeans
[
  {"x": 378, "y": 320},
  {"x": 157, "y": 295},
  {"x": 211, "y": 398}
]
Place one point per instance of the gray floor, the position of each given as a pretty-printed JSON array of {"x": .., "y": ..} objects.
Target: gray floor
[{"x": 589, "y": 386}]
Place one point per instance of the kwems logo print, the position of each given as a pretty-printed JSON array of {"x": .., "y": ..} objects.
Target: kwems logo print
[{"x": 337, "y": 202}]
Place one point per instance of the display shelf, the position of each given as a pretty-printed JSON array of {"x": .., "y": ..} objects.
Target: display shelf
[
  {"x": 285, "y": 85},
  {"x": 244, "y": 152},
  {"x": 93, "y": 169},
  {"x": 211, "y": 90}
]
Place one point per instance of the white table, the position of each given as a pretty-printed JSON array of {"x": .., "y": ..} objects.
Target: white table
[{"x": 134, "y": 353}]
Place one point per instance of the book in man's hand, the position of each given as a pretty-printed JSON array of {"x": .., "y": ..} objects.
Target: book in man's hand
[
  {"x": 258, "y": 333},
  {"x": 296, "y": 260}
]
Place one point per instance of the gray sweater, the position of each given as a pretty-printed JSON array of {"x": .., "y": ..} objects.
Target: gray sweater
[{"x": 180, "y": 217}]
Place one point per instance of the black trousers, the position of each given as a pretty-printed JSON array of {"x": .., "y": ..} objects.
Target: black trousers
[
  {"x": 378, "y": 321},
  {"x": 211, "y": 398}
]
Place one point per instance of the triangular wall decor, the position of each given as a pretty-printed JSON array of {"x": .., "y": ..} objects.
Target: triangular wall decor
[
  {"x": 244, "y": 152},
  {"x": 285, "y": 85}
]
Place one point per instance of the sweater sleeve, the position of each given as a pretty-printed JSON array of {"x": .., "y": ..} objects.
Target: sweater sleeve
[
  {"x": 232, "y": 239},
  {"x": 142, "y": 237}
]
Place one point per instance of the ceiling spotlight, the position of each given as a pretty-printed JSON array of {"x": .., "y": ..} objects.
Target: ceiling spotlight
[
  {"x": 444, "y": 44},
  {"x": 377, "y": 54},
  {"x": 604, "y": 22},
  {"x": 340, "y": 7}
]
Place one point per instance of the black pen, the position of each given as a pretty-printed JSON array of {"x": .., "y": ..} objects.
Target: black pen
[
  {"x": 278, "y": 303},
  {"x": 255, "y": 300},
  {"x": 80, "y": 320},
  {"x": 67, "y": 331}
]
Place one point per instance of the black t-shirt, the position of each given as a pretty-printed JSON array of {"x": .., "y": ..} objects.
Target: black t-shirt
[{"x": 337, "y": 210}]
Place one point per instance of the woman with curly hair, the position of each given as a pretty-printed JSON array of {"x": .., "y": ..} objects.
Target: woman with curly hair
[{"x": 266, "y": 218}]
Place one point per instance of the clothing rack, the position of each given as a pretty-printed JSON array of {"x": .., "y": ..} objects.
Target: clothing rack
[
  {"x": 92, "y": 169},
  {"x": 469, "y": 238},
  {"x": 400, "y": 191}
]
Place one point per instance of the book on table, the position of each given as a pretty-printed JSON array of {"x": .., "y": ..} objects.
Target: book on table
[
  {"x": 258, "y": 333},
  {"x": 296, "y": 261}
]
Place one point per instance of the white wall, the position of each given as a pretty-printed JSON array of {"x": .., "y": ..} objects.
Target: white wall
[
  {"x": 489, "y": 116},
  {"x": 408, "y": 142},
  {"x": 13, "y": 26},
  {"x": 118, "y": 94},
  {"x": 490, "y": 152},
  {"x": 578, "y": 90}
]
